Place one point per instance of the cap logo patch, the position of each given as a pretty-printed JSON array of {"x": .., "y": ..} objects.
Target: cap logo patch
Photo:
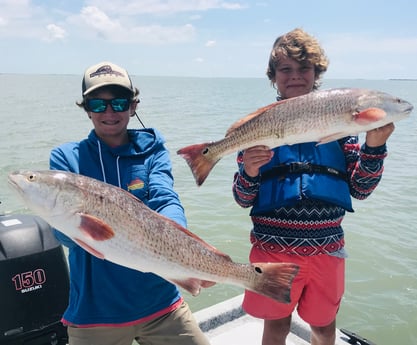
[{"x": 106, "y": 69}]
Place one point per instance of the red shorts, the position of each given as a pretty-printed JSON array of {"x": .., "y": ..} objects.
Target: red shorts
[{"x": 316, "y": 291}]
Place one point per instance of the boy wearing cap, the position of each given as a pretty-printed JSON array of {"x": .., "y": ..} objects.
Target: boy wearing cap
[{"x": 108, "y": 303}]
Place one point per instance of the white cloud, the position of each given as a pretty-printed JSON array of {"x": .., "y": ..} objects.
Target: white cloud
[
  {"x": 186, "y": 29},
  {"x": 115, "y": 21},
  {"x": 19, "y": 19},
  {"x": 55, "y": 32},
  {"x": 128, "y": 7},
  {"x": 16, "y": 9},
  {"x": 97, "y": 23}
]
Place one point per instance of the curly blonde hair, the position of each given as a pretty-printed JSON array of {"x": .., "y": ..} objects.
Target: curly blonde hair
[{"x": 302, "y": 47}]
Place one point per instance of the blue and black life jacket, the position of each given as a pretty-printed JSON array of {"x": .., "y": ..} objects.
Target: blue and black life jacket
[{"x": 304, "y": 171}]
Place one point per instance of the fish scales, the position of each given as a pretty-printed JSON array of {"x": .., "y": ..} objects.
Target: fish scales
[
  {"x": 114, "y": 207},
  {"x": 320, "y": 116},
  {"x": 112, "y": 224}
]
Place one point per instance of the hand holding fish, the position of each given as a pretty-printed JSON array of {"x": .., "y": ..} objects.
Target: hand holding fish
[
  {"x": 379, "y": 136},
  {"x": 255, "y": 157}
]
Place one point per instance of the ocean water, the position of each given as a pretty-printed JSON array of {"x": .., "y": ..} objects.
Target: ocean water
[{"x": 380, "y": 303}]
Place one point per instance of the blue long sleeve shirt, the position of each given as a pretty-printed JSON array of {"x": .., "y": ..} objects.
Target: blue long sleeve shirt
[{"x": 103, "y": 293}]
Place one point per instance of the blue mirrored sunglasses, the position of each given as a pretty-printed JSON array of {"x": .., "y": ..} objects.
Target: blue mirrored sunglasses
[{"x": 97, "y": 105}]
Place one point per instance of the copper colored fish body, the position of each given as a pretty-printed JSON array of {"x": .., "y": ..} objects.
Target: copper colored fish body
[
  {"x": 113, "y": 225},
  {"x": 320, "y": 116}
]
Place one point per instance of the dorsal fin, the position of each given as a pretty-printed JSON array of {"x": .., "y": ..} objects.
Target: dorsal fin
[{"x": 249, "y": 117}]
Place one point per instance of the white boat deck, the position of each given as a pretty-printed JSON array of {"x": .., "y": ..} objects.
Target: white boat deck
[{"x": 226, "y": 323}]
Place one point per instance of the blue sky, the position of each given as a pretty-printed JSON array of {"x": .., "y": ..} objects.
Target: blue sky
[{"x": 205, "y": 38}]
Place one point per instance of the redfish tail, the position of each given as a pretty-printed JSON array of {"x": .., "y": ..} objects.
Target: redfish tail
[
  {"x": 198, "y": 161},
  {"x": 275, "y": 280}
]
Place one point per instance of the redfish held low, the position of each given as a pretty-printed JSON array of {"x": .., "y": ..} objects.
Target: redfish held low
[
  {"x": 113, "y": 225},
  {"x": 320, "y": 116}
]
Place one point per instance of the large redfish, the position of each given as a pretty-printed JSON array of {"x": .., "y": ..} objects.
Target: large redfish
[
  {"x": 112, "y": 224},
  {"x": 320, "y": 116}
]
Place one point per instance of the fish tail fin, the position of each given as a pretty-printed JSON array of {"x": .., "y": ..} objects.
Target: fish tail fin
[
  {"x": 275, "y": 280},
  {"x": 199, "y": 162}
]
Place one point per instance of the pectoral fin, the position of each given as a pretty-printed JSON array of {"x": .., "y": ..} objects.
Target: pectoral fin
[
  {"x": 193, "y": 285},
  {"x": 369, "y": 115},
  {"x": 95, "y": 228},
  {"x": 363, "y": 118}
]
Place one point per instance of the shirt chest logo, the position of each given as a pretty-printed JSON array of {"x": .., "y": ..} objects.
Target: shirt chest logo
[{"x": 135, "y": 184}]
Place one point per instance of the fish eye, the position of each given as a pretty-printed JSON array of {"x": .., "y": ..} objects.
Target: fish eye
[
  {"x": 31, "y": 177},
  {"x": 258, "y": 269}
]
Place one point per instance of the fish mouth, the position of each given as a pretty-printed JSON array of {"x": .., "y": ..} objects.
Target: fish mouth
[
  {"x": 409, "y": 109},
  {"x": 14, "y": 185},
  {"x": 12, "y": 181}
]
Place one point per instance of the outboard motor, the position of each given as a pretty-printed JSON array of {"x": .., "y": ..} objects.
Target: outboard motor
[{"x": 34, "y": 282}]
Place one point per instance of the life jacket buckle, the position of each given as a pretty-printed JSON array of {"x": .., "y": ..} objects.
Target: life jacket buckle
[{"x": 300, "y": 167}]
